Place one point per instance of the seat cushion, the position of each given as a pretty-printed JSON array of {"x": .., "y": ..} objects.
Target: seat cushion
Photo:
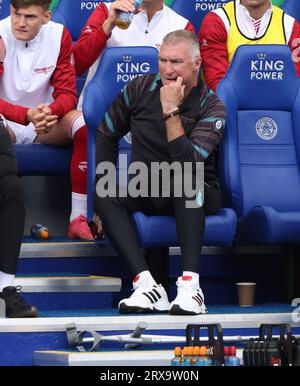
[
  {"x": 43, "y": 160},
  {"x": 156, "y": 231},
  {"x": 269, "y": 226}
]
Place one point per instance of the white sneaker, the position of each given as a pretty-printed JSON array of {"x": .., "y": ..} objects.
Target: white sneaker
[
  {"x": 145, "y": 298},
  {"x": 189, "y": 299}
]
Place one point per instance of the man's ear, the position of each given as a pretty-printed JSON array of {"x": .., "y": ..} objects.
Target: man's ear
[
  {"x": 47, "y": 16},
  {"x": 197, "y": 63}
]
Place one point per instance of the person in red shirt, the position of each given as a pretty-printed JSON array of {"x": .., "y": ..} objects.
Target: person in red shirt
[
  {"x": 38, "y": 93},
  {"x": 244, "y": 22}
]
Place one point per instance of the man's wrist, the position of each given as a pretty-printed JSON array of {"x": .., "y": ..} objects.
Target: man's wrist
[
  {"x": 28, "y": 116},
  {"x": 108, "y": 26},
  {"x": 170, "y": 113}
]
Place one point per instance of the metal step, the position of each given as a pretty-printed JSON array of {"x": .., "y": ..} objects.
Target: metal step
[
  {"x": 63, "y": 248},
  {"x": 69, "y": 284},
  {"x": 46, "y": 334},
  {"x": 155, "y": 322},
  {"x": 109, "y": 358},
  {"x": 57, "y": 249},
  {"x": 105, "y": 358}
]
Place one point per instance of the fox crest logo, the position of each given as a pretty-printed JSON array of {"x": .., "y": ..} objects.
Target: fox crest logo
[{"x": 266, "y": 128}]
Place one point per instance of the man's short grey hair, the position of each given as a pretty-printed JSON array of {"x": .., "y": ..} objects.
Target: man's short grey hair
[{"x": 182, "y": 35}]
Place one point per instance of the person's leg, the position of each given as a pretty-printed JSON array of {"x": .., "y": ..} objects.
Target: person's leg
[
  {"x": 72, "y": 128},
  {"x": 12, "y": 209},
  {"x": 12, "y": 216},
  {"x": 115, "y": 214},
  {"x": 190, "y": 225}
]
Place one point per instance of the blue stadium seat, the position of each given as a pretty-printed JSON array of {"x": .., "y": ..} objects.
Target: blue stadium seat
[
  {"x": 195, "y": 10},
  {"x": 261, "y": 151},
  {"x": 154, "y": 231},
  {"x": 292, "y": 7},
  {"x": 117, "y": 66},
  {"x": 160, "y": 231},
  {"x": 73, "y": 14},
  {"x": 5, "y": 9}
]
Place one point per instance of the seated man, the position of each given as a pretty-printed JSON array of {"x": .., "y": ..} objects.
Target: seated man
[
  {"x": 244, "y": 22},
  {"x": 12, "y": 216},
  {"x": 38, "y": 93},
  {"x": 174, "y": 118},
  {"x": 147, "y": 28}
]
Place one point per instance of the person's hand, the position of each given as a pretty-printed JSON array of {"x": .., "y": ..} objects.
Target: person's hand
[
  {"x": 171, "y": 95},
  {"x": 117, "y": 7},
  {"x": 98, "y": 230},
  {"x": 42, "y": 118}
]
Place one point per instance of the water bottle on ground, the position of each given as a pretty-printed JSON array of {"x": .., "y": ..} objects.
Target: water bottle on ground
[
  {"x": 232, "y": 359},
  {"x": 176, "y": 361},
  {"x": 40, "y": 232}
]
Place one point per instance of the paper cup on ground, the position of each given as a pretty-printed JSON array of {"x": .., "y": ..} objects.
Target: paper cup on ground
[{"x": 246, "y": 293}]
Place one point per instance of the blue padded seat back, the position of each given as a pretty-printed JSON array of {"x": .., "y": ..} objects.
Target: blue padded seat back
[
  {"x": 292, "y": 7},
  {"x": 195, "y": 10},
  {"x": 73, "y": 14},
  {"x": 261, "y": 148},
  {"x": 117, "y": 67},
  {"x": 4, "y": 9}
]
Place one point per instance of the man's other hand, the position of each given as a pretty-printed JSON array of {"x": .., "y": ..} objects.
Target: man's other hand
[{"x": 42, "y": 118}]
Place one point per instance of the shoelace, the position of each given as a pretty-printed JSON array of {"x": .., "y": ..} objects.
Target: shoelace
[
  {"x": 185, "y": 286},
  {"x": 140, "y": 289},
  {"x": 17, "y": 295}
]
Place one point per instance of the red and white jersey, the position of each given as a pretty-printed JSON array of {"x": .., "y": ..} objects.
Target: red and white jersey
[
  {"x": 214, "y": 35},
  {"x": 37, "y": 71},
  {"x": 93, "y": 40}
]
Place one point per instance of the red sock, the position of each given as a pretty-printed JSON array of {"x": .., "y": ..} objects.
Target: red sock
[{"x": 79, "y": 161}]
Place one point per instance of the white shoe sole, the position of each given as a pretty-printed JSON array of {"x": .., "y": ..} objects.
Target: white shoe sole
[
  {"x": 177, "y": 310},
  {"x": 125, "y": 309}
]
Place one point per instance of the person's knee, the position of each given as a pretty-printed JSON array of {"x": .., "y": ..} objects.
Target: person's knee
[
  {"x": 99, "y": 203},
  {"x": 71, "y": 115},
  {"x": 11, "y": 188},
  {"x": 102, "y": 204}
]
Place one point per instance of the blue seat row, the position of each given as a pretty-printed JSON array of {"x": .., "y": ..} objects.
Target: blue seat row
[
  {"x": 99, "y": 94},
  {"x": 74, "y": 13},
  {"x": 260, "y": 154}
]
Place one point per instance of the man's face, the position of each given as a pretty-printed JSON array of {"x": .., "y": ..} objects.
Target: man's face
[
  {"x": 153, "y": 2},
  {"x": 27, "y": 22},
  {"x": 254, "y": 3},
  {"x": 178, "y": 60}
]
